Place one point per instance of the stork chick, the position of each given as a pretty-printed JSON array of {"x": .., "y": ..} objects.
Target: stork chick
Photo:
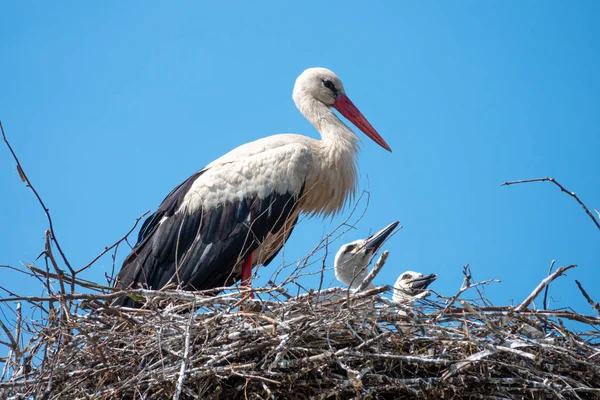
[
  {"x": 411, "y": 286},
  {"x": 352, "y": 259}
]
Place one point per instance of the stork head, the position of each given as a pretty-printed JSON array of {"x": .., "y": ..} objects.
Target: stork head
[
  {"x": 324, "y": 86},
  {"x": 411, "y": 284},
  {"x": 320, "y": 84},
  {"x": 352, "y": 259}
]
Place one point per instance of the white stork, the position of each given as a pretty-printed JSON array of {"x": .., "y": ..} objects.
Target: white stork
[
  {"x": 411, "y": 286},
  {"x": 352, "y": 259},
  {"x": 238, "y": 211}
]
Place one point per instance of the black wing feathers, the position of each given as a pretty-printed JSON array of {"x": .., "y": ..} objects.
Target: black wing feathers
[
  {"x": 199, "y": 250},
  {"x": 168, "y": 206}
]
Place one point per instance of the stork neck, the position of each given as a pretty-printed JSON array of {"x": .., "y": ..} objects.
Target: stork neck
[{"x": 335, "y": 134}]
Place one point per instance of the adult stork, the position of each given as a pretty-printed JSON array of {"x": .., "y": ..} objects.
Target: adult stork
[{"x": 238, "y": 211}]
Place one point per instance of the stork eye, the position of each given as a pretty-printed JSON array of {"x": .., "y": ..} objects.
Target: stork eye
[
  {"x": 406, "y": 276},
  {"x": 329, "y": 85},
  {"x": 349, "y": 248}
]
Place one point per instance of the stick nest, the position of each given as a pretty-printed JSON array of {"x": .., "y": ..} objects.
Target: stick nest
[{"x": 332, "y": 344}]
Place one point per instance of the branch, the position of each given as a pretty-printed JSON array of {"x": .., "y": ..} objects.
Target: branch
[
  {"x": 369, "y": 278},
  {"x": 541, "y": 287},
  {"x": 547, "y": 287},
  {"x": 596, "y": 306},
  {"x": 186, "y": 357},
  {"x": 200, "y": 297},
  {"x": 25, "y": 179},
  {"x": 13, "y": 343},
  {"x": 59, "y": 272},
  {"x": 562, "y": 188},
  {"x": 67, "y": 278},
  {"x": 466, "y": 285}
]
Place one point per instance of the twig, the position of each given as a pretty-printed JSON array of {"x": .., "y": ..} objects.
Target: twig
[
  {"x": 13, "y": 342},
  {"x": 107, "y": 249},
  {"x": 64, "y": 305},
  {"x": 467, "y": 275},
  {"x": 25, "y": 179},
  {"x": 186, "y": 356},
  {"x": 546, "y": 290},
  {"x": 508, "y": 311},
  {"x": 378, "y": 265},
  {"x": 201, "y": 297},
  {"x": 541, "y": 287},
  {"x": 466, "y": 285},
  {"x": 257, "y": 377},
  {"x": 18, "y": 327},
  {"x": 322, "y": 276},
  {"x": 68, "y": 278},
  {"x": 59, "y": 272},
  {"x": 304, "y": 261},
  {"x": 596, "y": 306},
  {"x": 562, "y": 188},
  {"x": 279, "y": 290}
]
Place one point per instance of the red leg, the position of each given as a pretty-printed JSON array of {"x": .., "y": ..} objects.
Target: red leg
[{"x": 247, "y": 273}]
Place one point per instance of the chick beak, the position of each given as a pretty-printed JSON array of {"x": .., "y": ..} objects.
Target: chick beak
[{"x": 376, "y": 240}]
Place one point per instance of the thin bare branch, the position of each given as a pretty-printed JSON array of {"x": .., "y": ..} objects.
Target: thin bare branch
[
  {"x": 546, "y": 289},
  {"x": 562, "y": 188},
  {"x": 561, "y": 270},
  {"x": 186, "y": 357},
  {"x": 25, "y": 179},
  {"x": 594, "y": 305},
  {"x": 466, "y": 285},
  {"x": 378, "y": 266},
  {"x": 112, "y": 246}
]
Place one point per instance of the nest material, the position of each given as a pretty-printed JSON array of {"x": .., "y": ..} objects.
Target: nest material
[{"x": 328, "y": 345}]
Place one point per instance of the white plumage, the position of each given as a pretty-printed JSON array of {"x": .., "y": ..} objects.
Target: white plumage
[
  {"x": 351, "y": 264},
  {"x": 411, "y": 286},
  {"x": 352, "y": 261}
]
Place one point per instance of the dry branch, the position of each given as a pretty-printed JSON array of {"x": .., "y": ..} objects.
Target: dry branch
[
  {"x": 25, "y": 179},
  {"x": 371, "y": 275},
  {"x": 548, "y": 287},
  {"x": 562, "y": 188},
  {"x": 595, "y": 305},
  {"x": 541, "y": 287}
]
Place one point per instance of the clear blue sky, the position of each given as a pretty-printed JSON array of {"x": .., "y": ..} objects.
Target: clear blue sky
[{"x": 112, "y": 104}]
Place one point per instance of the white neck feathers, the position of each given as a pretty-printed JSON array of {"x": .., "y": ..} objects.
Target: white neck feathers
[{"x": 333, "y": 178}]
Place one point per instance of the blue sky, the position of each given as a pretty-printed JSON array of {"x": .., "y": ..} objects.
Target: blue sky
[{"x": 111, "y": 105}]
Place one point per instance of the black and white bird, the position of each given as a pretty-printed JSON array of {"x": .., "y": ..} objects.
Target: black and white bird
[
  {"x": 352, "y": 260},
  {"x": 238, "y": 211},
  {"x": 411, "y": 286}
]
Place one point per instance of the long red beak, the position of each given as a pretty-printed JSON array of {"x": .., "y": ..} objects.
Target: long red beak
[{"x": 349, "y": 110}]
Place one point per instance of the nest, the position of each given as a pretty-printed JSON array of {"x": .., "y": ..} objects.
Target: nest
[
  {"x": 329, "y": 344},
  {"x": 323, "y": 344}
]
